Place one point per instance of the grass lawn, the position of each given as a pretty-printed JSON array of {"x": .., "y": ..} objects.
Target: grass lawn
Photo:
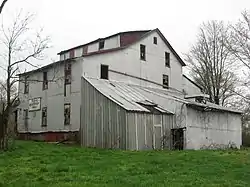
[{"x": 40, "y": 164}]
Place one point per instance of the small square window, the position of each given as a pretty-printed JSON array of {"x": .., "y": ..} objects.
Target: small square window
[
  {"x": 101, "y": 45},
  {"x": 104, "y": 71},
  {"x": 167, "y": 59},
  {"x": 155, "y": 40},
  {"x": 165, "y": 81},
  {"x": 143, "y": 52}
]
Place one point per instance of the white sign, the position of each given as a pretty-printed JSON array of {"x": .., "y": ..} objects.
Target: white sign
[{"x": 35, "y": 104}]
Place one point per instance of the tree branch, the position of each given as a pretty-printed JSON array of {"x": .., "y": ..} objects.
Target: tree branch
[{"x": 2, "y": 5}]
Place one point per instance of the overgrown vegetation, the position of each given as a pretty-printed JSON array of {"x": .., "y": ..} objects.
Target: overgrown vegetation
[{"x": 41, "y": 164}]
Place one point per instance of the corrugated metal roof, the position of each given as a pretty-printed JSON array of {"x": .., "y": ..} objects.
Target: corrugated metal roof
[{"x": 129, "y": 95}]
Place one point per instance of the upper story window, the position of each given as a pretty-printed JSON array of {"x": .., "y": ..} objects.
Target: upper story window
[
  {"x": 26, "y": 85},
  {"x": 143, "y": 52},
  {"x": 155, "y": 40},
  {"x": 71, "y": 53},
  {"x": 101, "y": 44},
  {"x": 104, "y": 71},
  {"x": 165, "y": 81},
  {"x": 45, "y": 80},
  {"x": 167, "y": 59},
  {"x": 67, "y": 73}
]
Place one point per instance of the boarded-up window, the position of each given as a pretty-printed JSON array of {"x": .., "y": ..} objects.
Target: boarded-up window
[
  {"x": 26, "y": 86},
  {"x": 45, "y": 80},
  {"x": 165, "y": 81},
  {"x": 67, "y": 72},
  {"x": 44, "y": 117},
  {"x": 67, "y": 114},
  {"x": 167, "y": 59},
  {"x": 143, "y": 52},
  {"x": 104, "y": 71},
  {"x": 101, "y": 45}
]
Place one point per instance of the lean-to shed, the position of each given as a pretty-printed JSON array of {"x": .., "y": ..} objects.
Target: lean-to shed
[
  {"x": 127, "y": 116},
  {"x": 114, "y": 115}
]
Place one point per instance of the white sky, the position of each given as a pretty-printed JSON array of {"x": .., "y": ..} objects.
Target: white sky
[{"x": 75, "y": 22}]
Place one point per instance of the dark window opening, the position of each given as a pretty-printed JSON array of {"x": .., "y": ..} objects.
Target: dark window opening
[
  {"x": 165, "y": 81},
  {"x": 167, "y": 59},
  {"x": 26, "y": 116},
  {"x": 26, "y": 86},
  {"x": 143, "y": 52},
  {"x": 67, "y": 72},
  {"x": 44, "y": 117},
  {"x": 101, "y": 45},
  {"x": 72, "y": 54},
  {"x": 155, "y": 40},
  {"x": 177, "y": 139},
  {"x": 104, "y": 71},
  {"x": 66, "y": 114},
  {"x": 45, "y": 80}
]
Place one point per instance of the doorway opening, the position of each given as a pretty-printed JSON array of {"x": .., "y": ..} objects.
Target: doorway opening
[{"x": 177, "y": 138}]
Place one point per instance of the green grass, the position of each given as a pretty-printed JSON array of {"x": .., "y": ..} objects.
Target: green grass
[{"x": 40, "y": 164}]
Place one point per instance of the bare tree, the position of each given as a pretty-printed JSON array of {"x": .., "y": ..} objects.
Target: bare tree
[
  {"x": 239, "y": 43},
  {"x": 2, "y": 5},
  {"x": 211, "y": 62},
  {"x": 22, "y": 46}
]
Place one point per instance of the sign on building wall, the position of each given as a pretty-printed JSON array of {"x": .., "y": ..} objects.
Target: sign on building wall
[{"x": 35, "y": 104}]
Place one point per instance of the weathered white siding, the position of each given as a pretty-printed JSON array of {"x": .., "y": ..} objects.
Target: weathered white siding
[
  {"x": 52, "y": 98},
  {"x": 112, "y": 42},
  {"x": 128, "y": 61},
  {"x": 189, "y": 87},
  {"x": 212, "y": 129}
]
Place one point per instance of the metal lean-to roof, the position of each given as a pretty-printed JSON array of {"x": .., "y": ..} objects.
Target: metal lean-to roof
[{"x": 132, "y": 97}]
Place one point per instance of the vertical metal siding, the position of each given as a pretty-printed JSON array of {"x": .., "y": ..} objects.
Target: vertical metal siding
[
  {"x": 148, "y": 129},
  {"x": 103, "y": 122}
]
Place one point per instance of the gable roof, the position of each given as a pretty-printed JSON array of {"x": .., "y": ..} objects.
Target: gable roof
[
  {"x": 100, "y": 39},
  {"x": 145, "y": 33}
]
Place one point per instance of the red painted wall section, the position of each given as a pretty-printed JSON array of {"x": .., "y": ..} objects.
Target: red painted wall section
[{"x": 128, "y": 38}]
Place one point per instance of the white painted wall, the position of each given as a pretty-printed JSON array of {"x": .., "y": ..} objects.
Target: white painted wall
[
  {"x": 218, "y": 128},
  {"x": 189, "y": 87},
  {"x": 128, "y": 61},
  {"x": 53, "y": 98}
]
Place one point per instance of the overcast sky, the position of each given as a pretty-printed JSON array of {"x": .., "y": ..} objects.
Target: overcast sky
[{"x": 75, "y": 22}]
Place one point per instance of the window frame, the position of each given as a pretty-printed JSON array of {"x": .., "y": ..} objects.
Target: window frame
[
  {"x": 67, "y": 72},
  {"x": 101, "y": 44},
  {"x": 106, "y": 66},
  {"x": 143, "y": 52},
  {"x": 26, "y": 86},
  {"x": 67, "y": 106},
  {"x": 155, "y": 40},
  {"x": 44, "y": 117},
  {"x": 45, "y": 80},
  {"x": 167, "y": 59},
  {"x": 164, "y": 78}
]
